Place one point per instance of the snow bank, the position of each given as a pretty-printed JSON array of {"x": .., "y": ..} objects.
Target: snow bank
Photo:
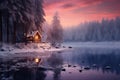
[{"x": 31, "y": 47}]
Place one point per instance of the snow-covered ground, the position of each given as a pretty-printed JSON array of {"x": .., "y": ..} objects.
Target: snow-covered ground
[
  {"x": 45, "y": 48},
  {"x": 7, "y": 49}
]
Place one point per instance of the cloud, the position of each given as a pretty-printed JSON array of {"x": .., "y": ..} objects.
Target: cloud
[
  {"x": 102, "y": 5},
  {"x": 82, "y": 10},
  {"x": 68, "y": 5}
]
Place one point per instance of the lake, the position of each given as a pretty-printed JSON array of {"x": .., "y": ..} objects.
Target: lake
[{"x": 70, "y": 64}]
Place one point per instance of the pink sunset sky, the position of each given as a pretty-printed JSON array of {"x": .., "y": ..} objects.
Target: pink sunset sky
[{"x": 73, "y": 12}]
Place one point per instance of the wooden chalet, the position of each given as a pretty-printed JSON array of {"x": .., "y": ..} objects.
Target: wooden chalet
[{"x": 34, "y": 36}]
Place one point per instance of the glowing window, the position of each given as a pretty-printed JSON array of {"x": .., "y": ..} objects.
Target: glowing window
[{"x": 36, "y": 37}]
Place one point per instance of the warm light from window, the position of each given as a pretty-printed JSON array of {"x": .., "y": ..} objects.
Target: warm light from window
[
  {"x": 37, "y": 60},
  {"x": 36, "y": 37}
]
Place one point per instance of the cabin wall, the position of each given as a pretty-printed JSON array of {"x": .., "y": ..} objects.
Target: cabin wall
[{"x": 39, "y": 38}]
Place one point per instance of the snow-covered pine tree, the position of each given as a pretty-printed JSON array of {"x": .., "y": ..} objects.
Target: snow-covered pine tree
[
  {"x": 27, "y": 15},
  {"x": 22, "y": 15},
  {"x": 39, "y": 14},
  {"x": 57, "y": 31}
]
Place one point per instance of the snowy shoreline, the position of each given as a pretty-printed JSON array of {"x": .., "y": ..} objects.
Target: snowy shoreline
[
  {"x": 45, "y": 47},
  {"x": 33, "y": 47},
  {"x": 8, "y": 52},
  {"x": 110, "y": 45}
]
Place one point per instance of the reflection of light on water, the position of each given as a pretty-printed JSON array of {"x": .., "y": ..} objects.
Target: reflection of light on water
[{"x": 37, "y": 60}]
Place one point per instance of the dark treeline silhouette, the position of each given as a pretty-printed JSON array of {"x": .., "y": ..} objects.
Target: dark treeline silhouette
[{"x": 104, "y": 30}]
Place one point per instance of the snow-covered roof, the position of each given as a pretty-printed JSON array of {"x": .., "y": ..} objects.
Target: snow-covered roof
[{"x": 33, "y": 33}]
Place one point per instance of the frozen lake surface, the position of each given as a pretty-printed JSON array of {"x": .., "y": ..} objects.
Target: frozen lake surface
[{"x": 77, "y": 63}]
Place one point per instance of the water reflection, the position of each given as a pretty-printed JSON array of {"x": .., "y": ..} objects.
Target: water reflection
[
  {"x": 75, "y": 64},
  {"x": 107, "y": 60},
  {"x": 29, "y": 74},
  {"x": 55, "y": 60},
  {"x": 57, "y": 74}
]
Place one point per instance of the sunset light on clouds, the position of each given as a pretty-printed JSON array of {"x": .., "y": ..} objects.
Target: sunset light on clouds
[{"x": 73, "y": 12}]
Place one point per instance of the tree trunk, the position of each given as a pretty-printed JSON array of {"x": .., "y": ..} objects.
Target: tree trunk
[
  {"x": 14, "y": 35},
  {"x": 0, "y": 26},
  {"x": 7, "y": 24}
]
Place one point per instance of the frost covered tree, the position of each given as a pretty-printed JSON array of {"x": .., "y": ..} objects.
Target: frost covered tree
[
  {"x": 39, "y": 14},
  {"x": 105, "y": 30},
  {"x": 24, "y": 15},
  {"x": 56, "y": 31},
  {"x": 28, "y": 13}
]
